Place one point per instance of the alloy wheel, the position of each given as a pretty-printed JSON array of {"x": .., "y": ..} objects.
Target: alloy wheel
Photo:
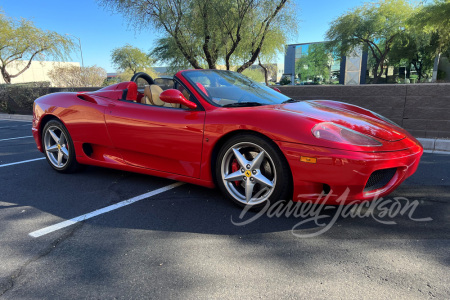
[
  {"x": 56, "y": 147},
  {"x": 248, "y": 173}
]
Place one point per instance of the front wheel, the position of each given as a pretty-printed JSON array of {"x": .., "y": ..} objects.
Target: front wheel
[
  {"x": 58, "y": 147},
  {"x": 251, "y": 171}
]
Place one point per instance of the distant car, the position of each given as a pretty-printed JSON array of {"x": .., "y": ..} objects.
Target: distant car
[{"x": 219, "y": 128}]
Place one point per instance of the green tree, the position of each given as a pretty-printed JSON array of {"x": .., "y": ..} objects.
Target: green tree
[
  {"x": 167, "y": 52},
  {"x": 274, "y": 44},
  {"x": 207, "y": 32},
  {"x": 415, "y": 48},
  {"x": 270, "y": 70},
  {"x": 435, "y": 18},
  {"x": 373, "y": 25},
  {"x": 130, "y": 59},
  {"x": 21, "y": 40},
  {"x": 254, "y": 30},
  {"x": 254, "y": 74},
  {"x": 316, "y": 64}
]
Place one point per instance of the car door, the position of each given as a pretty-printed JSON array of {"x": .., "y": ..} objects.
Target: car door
[{"x": 159, "y": 138}]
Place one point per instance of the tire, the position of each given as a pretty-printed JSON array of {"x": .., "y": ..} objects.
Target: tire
[
  {"x": 58, "y": 147},
  {"x": 248, "y": 177}
]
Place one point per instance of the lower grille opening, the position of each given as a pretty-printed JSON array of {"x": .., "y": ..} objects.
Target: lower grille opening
[{"x": 379, "y": 179}]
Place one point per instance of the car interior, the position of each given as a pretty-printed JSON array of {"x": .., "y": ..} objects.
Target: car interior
[
  {"x": 148, "y": 94},
  {"x": 221, "y": 91}
]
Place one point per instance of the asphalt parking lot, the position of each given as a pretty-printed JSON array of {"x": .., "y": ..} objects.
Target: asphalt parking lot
[{"x": 182, "y": 244}]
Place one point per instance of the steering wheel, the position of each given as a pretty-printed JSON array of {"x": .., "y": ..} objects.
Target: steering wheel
[{"x": 142, "y": 79}]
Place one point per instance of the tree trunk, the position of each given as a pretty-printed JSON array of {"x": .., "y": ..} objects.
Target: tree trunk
[
  {"x": 209, "y": 59},
  {"x": 233, "y": 48},
  {"x": 266, "y": 75},
  {"x": 6, "y": 76},
  {"x": 255, "y": 53},
  {"x": 418, "y": 66},
  {"x": 190, "y": 58},
  {"x": 210, "y": 54},
  {"x": 375, "y": 72},
  {"x": 250, "y": 62}
]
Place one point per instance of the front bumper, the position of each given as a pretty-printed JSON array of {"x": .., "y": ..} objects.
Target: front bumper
[
  {"x": 37, "y": 118},
  {"x": 341, "y": 177}
]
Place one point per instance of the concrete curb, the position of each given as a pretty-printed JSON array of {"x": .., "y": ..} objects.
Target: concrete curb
[
  {"x": 429, "y": 145},
  {"x": 435, "y": 145},
  {"x": 16, "y": 117}
]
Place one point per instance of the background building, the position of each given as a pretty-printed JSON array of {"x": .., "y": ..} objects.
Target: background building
[
  {"x": 312, "y": 63},
  {"x": 38, "y": 70}
]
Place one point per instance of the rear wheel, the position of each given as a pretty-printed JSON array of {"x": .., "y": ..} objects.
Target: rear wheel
[
  {"x": 58, "y": 147},
  {"x": 251, "y": 171}
]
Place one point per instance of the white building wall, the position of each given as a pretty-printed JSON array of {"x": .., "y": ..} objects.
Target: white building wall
[
  {"x": 38, "y": 71},
  {"x": 280, "y": 71}
]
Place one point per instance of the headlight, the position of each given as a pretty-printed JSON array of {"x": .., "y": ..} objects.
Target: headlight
[{"x": 337, "y": 133}]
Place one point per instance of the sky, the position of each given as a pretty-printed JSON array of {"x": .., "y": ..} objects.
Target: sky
[{"x": 100, "y": 31}]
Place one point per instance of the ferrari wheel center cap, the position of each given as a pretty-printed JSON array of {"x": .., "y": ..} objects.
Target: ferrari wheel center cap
[
  {"x": 248, "y": 173},
  {"x": 59, "y": 146}
]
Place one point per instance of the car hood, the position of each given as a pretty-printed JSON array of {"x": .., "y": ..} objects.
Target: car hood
[{"x": 349, "y": 116}]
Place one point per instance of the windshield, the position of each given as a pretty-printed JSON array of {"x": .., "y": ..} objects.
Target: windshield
[{"x": 227, "y": 88}]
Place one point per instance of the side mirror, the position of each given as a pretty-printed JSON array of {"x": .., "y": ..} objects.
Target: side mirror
[
  {"x": 175, "y": 96},
  {"x": 276, "y": 89}
]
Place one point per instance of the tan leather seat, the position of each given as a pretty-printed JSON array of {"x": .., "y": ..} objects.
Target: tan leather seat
[
  {"x": 151, "y": 94},
  {"x": 186, "y": 95},
  {"x": 147, "y": 95}
]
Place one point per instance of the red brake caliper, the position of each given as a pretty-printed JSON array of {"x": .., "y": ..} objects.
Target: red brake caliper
[{"x": 234, "y": 168}]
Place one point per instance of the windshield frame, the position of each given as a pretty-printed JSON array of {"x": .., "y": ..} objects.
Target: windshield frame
[{"x": 209, "y": 99}]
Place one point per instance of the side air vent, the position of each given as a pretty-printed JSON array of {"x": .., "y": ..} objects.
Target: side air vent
[
  {"x": 87, "y": 148},
  {"x": 86, "y": 97}
]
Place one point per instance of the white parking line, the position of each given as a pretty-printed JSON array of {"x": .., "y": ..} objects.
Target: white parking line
[
  {"x": 97, "y": 212},
  {"x": 15, "y": 126},
  {"x": 17, "y": 138},
  {"x": 21, "y": 162},
  {"x": 13, "y": 120}
]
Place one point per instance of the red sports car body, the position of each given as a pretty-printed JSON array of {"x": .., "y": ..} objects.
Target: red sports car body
[{"x": 196, "y": 131}]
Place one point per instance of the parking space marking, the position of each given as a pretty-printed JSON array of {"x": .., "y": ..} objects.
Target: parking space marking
[
  {"x": 14, "y": 120},
  {"x": 16, "y": 138},
  {"x": 21, "y": 162},
  {"x": 58, "y": 226},
  {"x": 15, "y": 126},
  {"x": 8, "y": 127}
]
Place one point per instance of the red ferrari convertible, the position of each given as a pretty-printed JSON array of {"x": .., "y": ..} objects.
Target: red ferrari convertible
[{"x": 219, "y": 128}]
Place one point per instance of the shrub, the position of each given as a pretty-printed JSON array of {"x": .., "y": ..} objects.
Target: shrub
[
  {"x": 19, "y": 98},
  {"x": 285, "y": 80},
  {"x": 441, "y": 75}
]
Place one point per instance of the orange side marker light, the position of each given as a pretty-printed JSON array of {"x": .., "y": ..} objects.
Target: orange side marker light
[{"x": 311, "y": 160}]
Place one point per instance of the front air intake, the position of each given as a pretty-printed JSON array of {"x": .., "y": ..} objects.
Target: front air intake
[{"x": 379, "y": 179}]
